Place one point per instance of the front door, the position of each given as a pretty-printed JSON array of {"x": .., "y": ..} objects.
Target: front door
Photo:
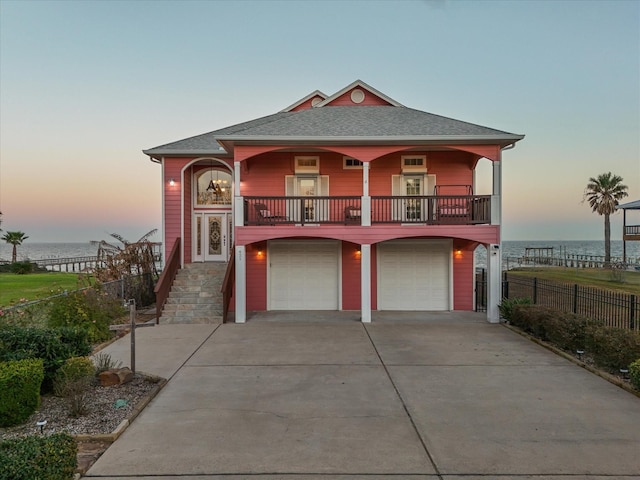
[
  {"x": 211, "y": 238},
  {"x": 413, "y": 187}
]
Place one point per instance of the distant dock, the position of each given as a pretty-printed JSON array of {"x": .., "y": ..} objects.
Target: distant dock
[{"x": 538, "y": 256}]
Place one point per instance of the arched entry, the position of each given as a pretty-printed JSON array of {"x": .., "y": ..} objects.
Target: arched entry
[{"x": 212, "y": 213}]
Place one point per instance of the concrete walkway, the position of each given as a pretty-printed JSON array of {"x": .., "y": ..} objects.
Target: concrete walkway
[{"x": 448, "y": 397}]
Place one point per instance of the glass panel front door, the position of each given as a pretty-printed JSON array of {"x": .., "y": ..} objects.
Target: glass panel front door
[
  {"x": 211, "y": 242},
  {"x": 308, "y": 187}
]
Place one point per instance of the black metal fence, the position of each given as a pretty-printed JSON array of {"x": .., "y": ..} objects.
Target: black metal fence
[{"x": 614, "y": 309}]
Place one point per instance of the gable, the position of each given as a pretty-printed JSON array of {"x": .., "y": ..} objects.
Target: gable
[{"x": 359, "y": 93}]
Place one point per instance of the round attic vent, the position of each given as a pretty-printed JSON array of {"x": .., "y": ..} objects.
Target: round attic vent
[
  {"x": 357, "y": 96},
  {"x": 315, "y": 101}
]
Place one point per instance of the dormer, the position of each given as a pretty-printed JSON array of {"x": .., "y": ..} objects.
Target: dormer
[{"x": 305, "y": 103}]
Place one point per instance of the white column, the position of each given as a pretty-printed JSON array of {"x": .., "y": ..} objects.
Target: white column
[
  {"x": 365, "y": 201},
  {"x": 365, "y": 283},
  {"x": 241, "y": 284},
  {"x": 238, "y": 200},
  {"x": 494, "y": 282},
  {"x": 496, "y": 197}
]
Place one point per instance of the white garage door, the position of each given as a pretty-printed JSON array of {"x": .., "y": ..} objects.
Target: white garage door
[
  {"x": 303, "y": 275},
  {"x": 414, "y": 275}
]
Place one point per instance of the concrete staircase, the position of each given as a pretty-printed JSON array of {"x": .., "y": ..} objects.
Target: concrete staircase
[{"x": 195, "y": 296}]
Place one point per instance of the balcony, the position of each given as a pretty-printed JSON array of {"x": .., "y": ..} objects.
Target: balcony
[
  {"x": 631, "y": 232},
  {"x": 421, "y": 210}
]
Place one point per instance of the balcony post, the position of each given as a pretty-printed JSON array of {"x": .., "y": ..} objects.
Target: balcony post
[
  {"x": 496, "y": 202},
  {"x": 238, "y": 200},
  {"x": 494, "y": 282},
  {"x": 365, "y": 283},
  {"x": 241, "y": 284},
  {"x": 365, "y": 202}
]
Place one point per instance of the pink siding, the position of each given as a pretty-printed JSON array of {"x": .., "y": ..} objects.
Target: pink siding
[
  {"x": 172, "y": 218},
  {"x": 256, "y": 276},
  {"x": 369, "y": 99},
  {"x": 463, "y": 275},
  {"x": 350, "y": 276}
]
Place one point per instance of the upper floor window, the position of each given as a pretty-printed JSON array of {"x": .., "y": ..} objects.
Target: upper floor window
[
  {"x": 414, "y": 163},
  {"x": 349, "y": 162},
  {"x": 213, "y": 187},
  {"x": 307, "y": 165}
]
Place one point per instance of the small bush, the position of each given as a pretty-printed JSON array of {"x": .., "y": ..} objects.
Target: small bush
[
  {"x": 75, "y": 369},
  {"x": 104, "y": 362},
  {"x": 612, "y": 348},
  {"x": 53, "y": 346},
  {"x": 22, "y": 268},
  {"x": 506, "y": 307},
  {"x": 89, "y": 309},
  {"x": 73, "y": 381},
  {"x": 634, "y": 374},
  {"x": 38, "y": 457},
  {"x": 19, "y": 390}
]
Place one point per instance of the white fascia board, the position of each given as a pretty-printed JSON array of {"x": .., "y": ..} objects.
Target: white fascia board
[{"x": 467, "y": 139}]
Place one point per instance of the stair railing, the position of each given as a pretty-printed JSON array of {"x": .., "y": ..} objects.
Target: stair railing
[
  {"x": 228, "y": 284},
  {"x": 168, "y": 275}
]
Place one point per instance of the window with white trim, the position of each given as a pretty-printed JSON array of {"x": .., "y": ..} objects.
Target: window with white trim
[
  {"x": 351, "y": 163},
  {"x": 307, "y": 164},
  {"x": 414, "y": 163}
]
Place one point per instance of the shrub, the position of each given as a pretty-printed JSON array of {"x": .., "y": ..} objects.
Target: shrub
[
  {"x": 38, "y": 457},
  {"x": 634, "y": 374},
  {"x": 89, "y": 309},
  {"x": 53, "y": 346},
  {"x": 74, "y": 369},
  {"x": 612, "y": 348},
  {"x": 568, "y": 331},
  {"x": 19, "y": 390},
  {"x": 506, "y": 307},
  {"x": 72, "y": 381},
  {"x": 21, "y": 268}
]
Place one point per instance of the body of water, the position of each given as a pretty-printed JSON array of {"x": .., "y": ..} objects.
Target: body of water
[{"x": 510, "y": 249}]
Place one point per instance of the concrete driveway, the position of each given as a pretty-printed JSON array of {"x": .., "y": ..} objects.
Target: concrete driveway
[{"x": 445, "y": 397}]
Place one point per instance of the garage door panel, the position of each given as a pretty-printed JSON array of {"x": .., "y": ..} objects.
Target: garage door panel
[
  {"x": 413, "y": 275},
  {"x": 303, "y": 275}
]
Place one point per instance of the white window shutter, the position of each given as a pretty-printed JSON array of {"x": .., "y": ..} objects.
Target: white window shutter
[
  {"x": 292, "y": 206},
  {"x": 396, "y": 185},
  {"x": 396, "y": 190},
  {"x": 322, "y": 205}
]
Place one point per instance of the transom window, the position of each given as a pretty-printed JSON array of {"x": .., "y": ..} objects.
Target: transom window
[
  {"x": 351, "y": 163},
  {"x": 414, "y": 163},
  {"x": 307, "y": 165},
  {"x": 213, "y": 187}
]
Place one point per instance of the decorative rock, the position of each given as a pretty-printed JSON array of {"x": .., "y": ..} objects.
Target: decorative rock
[{"x": 116, "y": 376}]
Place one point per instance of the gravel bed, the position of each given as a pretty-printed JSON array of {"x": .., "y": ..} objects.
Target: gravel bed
[{"x": 103, "y": 416}]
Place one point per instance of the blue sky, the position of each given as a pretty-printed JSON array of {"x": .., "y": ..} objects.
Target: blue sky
[{"x": 85, "y": 86}]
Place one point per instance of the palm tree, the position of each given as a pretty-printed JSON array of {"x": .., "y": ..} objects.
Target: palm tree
[
  {"x": 15, "y": 239},
  {"x": 603, "y": 193}
]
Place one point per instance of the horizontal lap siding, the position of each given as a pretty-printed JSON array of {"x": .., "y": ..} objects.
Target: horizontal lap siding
[
  {"x": 172, "y": 203},
  {"x": 369, "y": 99},
  {"x": 463, "y": 275},
  {"x": 451, "y": 168},
  {"x": 256, "y": 276},
  {"x": 350, "y": 276}
]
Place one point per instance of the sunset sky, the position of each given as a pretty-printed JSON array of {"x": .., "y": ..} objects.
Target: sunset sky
[{"x": 85, "y": 86}]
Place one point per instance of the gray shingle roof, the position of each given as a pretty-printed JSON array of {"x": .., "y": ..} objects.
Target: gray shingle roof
[
  {"x": 635, "y": 205},
  {"x": 341, "y": 123}
]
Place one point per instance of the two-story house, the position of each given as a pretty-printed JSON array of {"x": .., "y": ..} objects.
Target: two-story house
[{"x": 348, "y": 201}]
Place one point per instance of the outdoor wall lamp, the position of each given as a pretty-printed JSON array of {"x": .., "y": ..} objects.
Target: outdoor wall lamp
[
  {"x": 458, "y": 253},
  {"x": 259, "y": 253},
  {"x": 172, "y": 182},
  {"x": 358, "y": 253}
]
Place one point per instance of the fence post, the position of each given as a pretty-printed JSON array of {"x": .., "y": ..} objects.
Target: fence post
[
  {"x": 632, "y": 312},
  {"x": 505, "y": 286},
  {"x": 575, "y": 298},
  {"x": 535, "y": 290}
]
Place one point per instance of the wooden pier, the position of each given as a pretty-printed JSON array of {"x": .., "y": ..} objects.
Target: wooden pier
[{"x": 71, "y": 264}]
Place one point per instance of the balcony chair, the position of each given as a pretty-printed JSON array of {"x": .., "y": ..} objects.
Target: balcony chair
[
  {"x": 453, "y": 210},
  {"x": 352, "y": 215},
  {"x": 264, "y": 216}
]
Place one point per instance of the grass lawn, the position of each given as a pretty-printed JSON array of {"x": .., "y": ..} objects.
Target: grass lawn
[
  {"x": 595, "y": 277},
  {"x": 32, "y": 286}
]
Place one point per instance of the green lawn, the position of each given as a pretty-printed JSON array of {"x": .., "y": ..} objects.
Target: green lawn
[
  {"x": 14, "y": 288},
  {"x": 595, "y": 277}
]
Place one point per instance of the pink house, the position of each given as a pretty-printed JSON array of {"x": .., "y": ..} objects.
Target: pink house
[{"x": 348, "y": 201}]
